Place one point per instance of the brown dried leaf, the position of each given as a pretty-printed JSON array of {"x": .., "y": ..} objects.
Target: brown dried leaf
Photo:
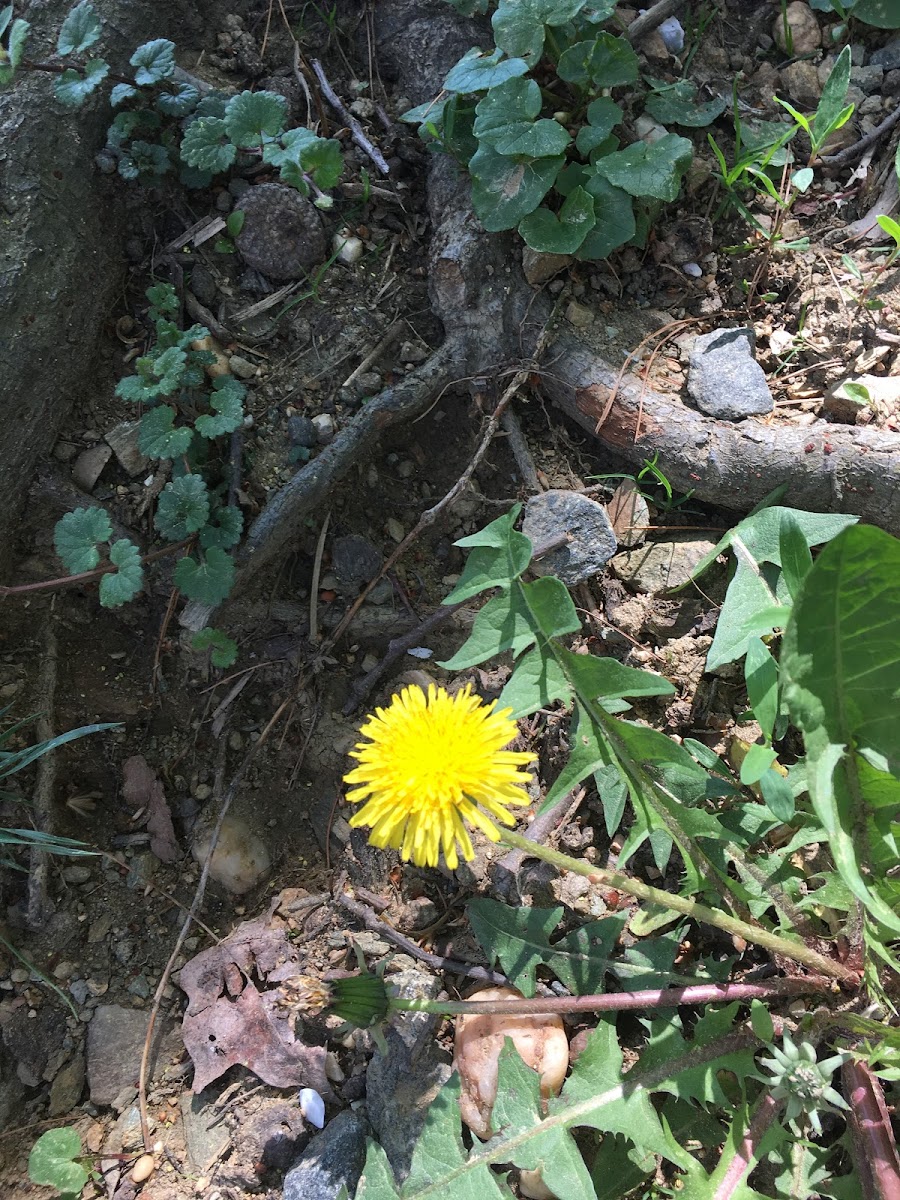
[
  {"x": 628, "y": 513},
  {"x": 228, "y": 1020},
  {"x": 142, "y": 789}
]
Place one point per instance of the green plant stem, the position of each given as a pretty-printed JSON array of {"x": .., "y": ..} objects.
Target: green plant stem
[
  {"x": 712, "y": 993},
  {"x": 796, "y": 951}
]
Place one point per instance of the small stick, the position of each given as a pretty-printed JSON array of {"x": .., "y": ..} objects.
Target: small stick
[
  {"x": 509, "y": 422},
  {"x": 853, "y": 152},
  {"x": 388, "y": 340},
  {"x": 356, "y": 131},
  {"x": 42, "y": 798},
  {"x": 652, "y": 19},
  {"x": 46, "y": 585},
  {"x": 314, "y": 586}
]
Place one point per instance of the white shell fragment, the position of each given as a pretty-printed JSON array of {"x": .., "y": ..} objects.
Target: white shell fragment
[
  {"x": 312, "y": 1107},
  {"x": 420, "y": 652},
  {"x": 672, "y": 34}
]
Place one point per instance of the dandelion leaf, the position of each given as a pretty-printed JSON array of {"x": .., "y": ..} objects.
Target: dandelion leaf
[{"x": 500, "y": 554}]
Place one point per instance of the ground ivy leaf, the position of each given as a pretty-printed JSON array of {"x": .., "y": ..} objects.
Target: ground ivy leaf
[
  {"x": 224, "y": 649},
  {"x": 73, "y": 87},
  {"x": 79, "y": 30},
  {"x": 323, "y": 161},
  {"x": 52, "y": 1161},
  {"x": 649, "y": 170},
  {"x": 477, "y": 71},
  {"x": 550, "y": 233},
  {"x": 204, "y": 145},
  {"x": 76, "y": 536},
  {"x": 157, "y": 375},
  {"x": 154, "y": 61},
  {"x": 226, "y": 532},
  {"x": 225, "y": 400},
  {"x": 118, "y": 587},
  {"x": 504, "y": 190},
  {"x": 182, "y": 508},
  {"x": 120, "y": 93},
  {"x": 251, "y": 117},
  {"x": 209, "y": 581},
  {"x": 179, "y": 103},
  {"x": 158, "y": 437},
  {"x": 288, "y": 147},
  {"x": 606, "y": 61}
]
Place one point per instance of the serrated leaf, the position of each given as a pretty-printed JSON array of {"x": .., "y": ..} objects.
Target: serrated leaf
[
  {"x": 158, "y": 374},
  {"x": 149, "y": 158},
  {"x": 224, "y": 649},
  {"x": 120, "y": 93},
  {"x": 289, "y": 147},
  {"x": 500, "y": 555},
  {"x": 536, "y": 682},
  {"x": 179, "y": 103},
  {"x": 600, "y": 678},
  {"x": 52, "y": 1161},
  {"x": 504, "y": 190},
  {"x": 77, "y": 535},
  {"x": 513, "y": 619},
  {"x": 118, "y": 587},
  {"x": 477, "y": 71},
  {"x": 79, "y": 30},
  {"x": 322, "y": 160},
  {"x": 226, "y": 532},
  {"x": 182, "y": 508},
  {"x": 676, "y": 104},
  {"x": 251, "y": 117},
  {"x": 226, "y": 402},
  {"x": 606, "y": 61},
  {"x": 154, "y": 61},
  {"x": 73, "y": 88},
  {"x": 701, "y": 1083},
  {"x": 649, "y": 170},
  {"x": 550, "y": 233},
  {"x": 158, "y": 437},
  {"x": 204, "y": 145},
  {"x": 208, "y": 581}
]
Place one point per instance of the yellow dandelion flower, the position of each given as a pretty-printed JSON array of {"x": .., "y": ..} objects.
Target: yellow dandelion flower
[{"x": 430, "y": 762}]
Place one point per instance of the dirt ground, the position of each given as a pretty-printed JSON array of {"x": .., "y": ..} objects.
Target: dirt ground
[{"x": 115, "y": 917}]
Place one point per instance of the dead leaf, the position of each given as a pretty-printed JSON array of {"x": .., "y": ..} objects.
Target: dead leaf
[
  {"x": 228, "y": 1020},
  {"x": 142, "y": 789},
  {"x": 628, "y": 513}
]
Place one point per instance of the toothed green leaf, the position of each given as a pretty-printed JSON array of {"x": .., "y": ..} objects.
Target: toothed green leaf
[
  {"x": 118, "y": 587},
  {"x": 182, "y": 508},
  {"x": 226, "y": 403},
  {"x": 251, "y": 117},
  {"x": 77, "y": 535},
  {"x": 205, "y": 145},
  {"x": 79, "y": 30},
  {"x": 208, "y": 581},
  {"x": 224, "y": 649},
  {"x": 154, "y": 61},
  {"x": 158, "y": 437},
  {"x": 73, "y": 87}
]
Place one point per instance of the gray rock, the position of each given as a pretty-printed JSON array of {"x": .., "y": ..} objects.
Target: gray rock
[
  {"x": 355, "y": 560},
  {"x": 402, "y": 1085},
  {"x": 115, "y": 1042},
  {"x": 593, "y": 540},
  {"x": 36, "y": 1043},
  {"x": 203, "y": 283},
  {"x": 724, "y": 379},
  {"x": 333, "y": 1160},
  {"x": 888, "y": 57},
  {"x": 88, "y": 466},
  {"x": 325, "y": 428},
  {"x": 801, "y": 81},
  {"x": 205, "y": 1133},
  {"x": 891, "y": 84},
  {"x": 242, "y": 367},
  {"x": 660, "y": 566},
  {"x": 538, "y": 268},
  {"x": 302, "y": 432},
  {"x": 868, "y": 79},
  {"x": 123, "y": 438},
  {"x": 66, "y": 1089},
  {"x": 282, "y": 236}
]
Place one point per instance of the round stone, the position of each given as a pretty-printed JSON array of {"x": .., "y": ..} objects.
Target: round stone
[{"x": 282, "y": 235}]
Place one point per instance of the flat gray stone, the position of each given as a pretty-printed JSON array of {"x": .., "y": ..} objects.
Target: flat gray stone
[
  {"x": 593, "y": 539},
  {"x": 888, "y": 57},
  {"x": 123, "y": 438},
  {"x": 282, "y": 236},
  {"x": 88, "y": 466},
  {"x": 724, "y": 379},
  {"x": 207, "y": 1136},
  {"x": 660, "y": 566},
  {"x": 115, "y": 1042},
  {"x": 334, "y": 1159},
  {"x": 355, "y": 560},
  {"x": 66, "y": 1089}
]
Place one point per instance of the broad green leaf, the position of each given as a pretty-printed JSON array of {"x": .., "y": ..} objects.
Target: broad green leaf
[
  {"x": 289, "y": 147},
  {"x": 649, "y": 170},
  {"x": 226, "y": 402},
  {"x": 883, "y": 14},
  {"x": 614, "y": 216},
  {"x": 377, "y": 1179},
  {"x": 224, "y": 530},
  {"x": 154, "y": 60},
  {"x": 753, "y": 607},
  {"x": 603, "y": 115},
  {"x": 600, "y": 678},
  {"x": 182, "y": 508},
  {"x": 76, "y": 536},
  {"x": 519, "y": 940},
  {"x": 550, "y": 233},
  {"x": 120, "y": 93},
  {"x": 157, "y": 375},
  {"x": 52, "y": 1161},
  {"x": 757, "y": 761},
  {"x": 205, "y": 145},
  {"x": 512, "y": 620},
  {"x": 506, "y": 107},
  {"x": 179, "y": 103},
  {"x": 504, "y": 190},
  {"x": 841, "y": 663},
  {"x": 500, "y": 555},
  {"x": 613, "y": 792},
  {"x": 796, "y": 559},
  {"x": 833, "y": 99},
  {"x": 778, "y": 794},
  {"x": 702, "y": 1083},
  {"x": 477, "y": 71},
  {"x": 158, "y": 437},
  {"x": 605, "y": 61},
  {"x": 539, "y": 140},
  {"x": 79, "y": 30},
  {"x": 519, "y": 24},
  {"x": 892, "y": 228},
  {"x": 208, "y": 581},
  {"x": 224, "y": 649},
  {"x": 677, "y": 104},
  {"x": 73, "y": 88},
  {"x": 250, "y": 117},
  {"x": 118, "y": 587},
  {"x": 761, "y": 674},
  {"x": 322, "y": 160},
  {"x": 588, "y": 753},
  {"x": 536, "y": 682}
]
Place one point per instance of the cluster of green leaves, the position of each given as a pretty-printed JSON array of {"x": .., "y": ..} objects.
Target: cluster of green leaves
[
  {"x": 546, "y": 160},
  {"x": 185, "y": 412},
  {"x": 883, "y": 14}
]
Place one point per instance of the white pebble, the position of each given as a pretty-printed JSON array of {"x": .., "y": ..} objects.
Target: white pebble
[
  {"x": 692, "y": 269},
  {"x": 312, "y": 1107},
  {"x": 672, "y": 35},
  {"x": 348, "y": 247}
]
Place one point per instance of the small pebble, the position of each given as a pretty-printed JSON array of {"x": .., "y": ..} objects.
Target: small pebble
[
  {"x": 325, "y": 429},
  {"x": 394, "y": 529},
  {"x": 143, "y": 1168},
  {"x": 242, "y": 367}
]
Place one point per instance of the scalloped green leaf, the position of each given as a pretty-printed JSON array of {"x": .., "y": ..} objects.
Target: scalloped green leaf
[
  {"x": 182, "y": 508},
  {"x": 504, "y": 190},
  {"x": 157, "y": 375},
  {"x": 226, "y": 403},
  {"x": 477, "y": 71},
  {"x": 649, "y": 170},
  {"x": 77, "y": 535},
  {"x": 289, "y": 146},
  {"x": 605, "y": 61},
  {"x": 224, "y": 529},
  {"x": 154, "y": 60},
  {"x": 79, "y": 30},
  {"x": 562, "y": 233},
  {"x": 118, "y": 587},
  {"x": 158, "y": 437},
  {"x": 603, "y": 116},
  {"x": 322, "y": 160},
  {"x": 51, "y": 1162},
  {"x": 120, "y": 93},
  {"x": 251, "y": 117},
  {"x": 519, "y": 24},
  {"x": 208, "y": 581},
  {"x": 73, "y": 88},
  {"x": 205, "y": 145},
  {"x": 179, "y": 103},
  {"x": 224, "y": 649}
]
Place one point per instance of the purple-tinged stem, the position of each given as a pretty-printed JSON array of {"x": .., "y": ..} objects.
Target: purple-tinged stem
[
  {"x": 746, "y": 1153},
  {"x": 872, "y": 1138}
]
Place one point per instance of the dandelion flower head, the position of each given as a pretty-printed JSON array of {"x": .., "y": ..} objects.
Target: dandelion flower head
[{"x": 433, "y": 764}]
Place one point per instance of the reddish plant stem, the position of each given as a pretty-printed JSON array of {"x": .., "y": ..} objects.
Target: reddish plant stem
[
  {"x": 47, "y": 585},
  {"x": 57, "y": 69},
  {"x": 872, "y": 1138},
  {"x": 745, "y": 1156}
]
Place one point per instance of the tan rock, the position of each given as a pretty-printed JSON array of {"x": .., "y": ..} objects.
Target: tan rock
[
  {"x": 800, "y": 81},
  {"x": 805, "y": 34}
]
